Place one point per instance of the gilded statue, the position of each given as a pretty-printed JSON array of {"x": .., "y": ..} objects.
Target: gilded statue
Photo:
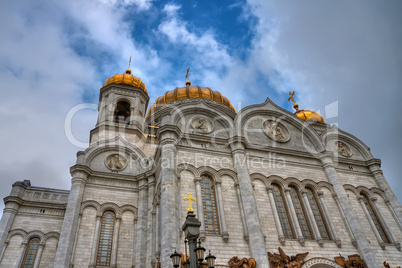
[
  {"x": 235, "y": 262},
  {"x": 282, "y": 260}
]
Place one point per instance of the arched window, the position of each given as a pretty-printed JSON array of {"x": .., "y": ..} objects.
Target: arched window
[
  {"x": 106, "y": 239},
  {"x": 319, "y": 219},
  {"x": 122, "y": 112},
  {"x": 375, "y": 219},
  {"x": 30, "y": 253},
  {"x": 300, "y": 213},
  {"x": 209, "y": 205},
  {"x": 283, "y": 212}
]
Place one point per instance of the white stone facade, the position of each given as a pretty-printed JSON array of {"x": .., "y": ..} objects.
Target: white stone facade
[{"x": 145, "y": 186}]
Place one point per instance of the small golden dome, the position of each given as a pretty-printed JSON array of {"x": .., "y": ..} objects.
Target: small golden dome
[
  {"x": 126, "y": 79},
  {"x": 308, "y": 115},
  {"x": 187, "y": 93}
]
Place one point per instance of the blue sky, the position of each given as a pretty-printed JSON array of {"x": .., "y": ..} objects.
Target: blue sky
[{"x": 55, "y": 55}]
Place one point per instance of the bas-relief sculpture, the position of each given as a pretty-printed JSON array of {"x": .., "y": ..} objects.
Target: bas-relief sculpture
[
  {"x": 116, "y": 162},
  {"x": 343, "y": 149},
  {"x": 354, "y": 261},
  {"x": 276, "y": 131},
  {"x": 282, "y": 260},
  {"x": 201, "y": 125}
]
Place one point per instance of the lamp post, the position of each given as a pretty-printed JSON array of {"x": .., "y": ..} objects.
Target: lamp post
[{"x": 191, "y": 230}]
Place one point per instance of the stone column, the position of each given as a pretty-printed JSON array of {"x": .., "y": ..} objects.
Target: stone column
[
  {"x": 363, "y": 244},
  {"x": 254, "y": 228},
  {"x": 370, "y": 220},
  {"x": 311, "y": 218},
  {"x": 141, "y": 246},
  {"x": 134, "y": 243},
  {"x": 95, "y": 241},
  {"x": 374, "y": 166},
  {"x": 69, "y": 227},
  {"x": 21, "y": 254},
  {"x": 153, "y": 258},
  {"x": 391, "y": 209},
  {"x": 150, "y": 222},
  {"x": 76, "y": 238},
  {"x": 225, "y": 234},
  {"x": 384, "y": 223},
  {"x": 242, "y": 216},
  {"x": 345, "y": 221},
  {"x": 169, "y": 194},
  {"x": 4, "y": 249},
  {"x": 328, "y": 219},
  {"x": 39, "y": 255},
  {"x": 200, "y": 208},
  {"x": 278, "y": 224},
  {"x": 12, "y": 203},
  {"x": 295, "y": 221},
  {"x": 115, "y": 245},
  {"x": 158, "y": 233}
]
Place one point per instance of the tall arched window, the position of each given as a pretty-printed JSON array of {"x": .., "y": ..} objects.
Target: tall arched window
[
  {"x": 300, "y": 213},
  {"x": 122, "y": 112},
  {"x": 318, "y": 216},
  {"x": 375, "y": 219},
  {"x": 106, "y": 239},
  {"x": 283, "y": 212},
  {"x": 30, "y": 253},
  {"x": 209, "y": 205}
]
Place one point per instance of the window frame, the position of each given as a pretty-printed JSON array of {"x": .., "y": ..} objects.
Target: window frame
[
  {"x": 375, "y": 218},
  {"x": 27, "y": 253},
  {"x": 100, "y": 253},
  {"x": 301, "y": 214},
  {"x": 283, "y": 213},
  {"x": 212, "y": 208},
  {"x": 318, "y": 214}
]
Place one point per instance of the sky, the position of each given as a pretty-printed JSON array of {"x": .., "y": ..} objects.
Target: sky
[{"x": 55, "y": 55}]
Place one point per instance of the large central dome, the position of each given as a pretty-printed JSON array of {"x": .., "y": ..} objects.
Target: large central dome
[{"x": 187, "y": 93}]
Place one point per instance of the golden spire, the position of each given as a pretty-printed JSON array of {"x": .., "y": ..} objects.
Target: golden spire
[
  {"x": 295, "y": 105},
  {"x": 189, "y": 198},
  {"x": 188, "y": 83},
  {"x": 128, "y": 71}
]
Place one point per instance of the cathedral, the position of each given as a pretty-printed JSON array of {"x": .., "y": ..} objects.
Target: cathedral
[{"x": 270, "y": 187}]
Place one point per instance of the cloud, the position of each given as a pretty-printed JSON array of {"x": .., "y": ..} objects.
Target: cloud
[{"x": 338, "y": 51}]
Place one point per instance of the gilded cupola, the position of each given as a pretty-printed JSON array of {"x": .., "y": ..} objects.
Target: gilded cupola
[
  {"x": 189, "y": 92},
  {"x": 126, "y": 79},
  {"x": 306, "y": 115}
]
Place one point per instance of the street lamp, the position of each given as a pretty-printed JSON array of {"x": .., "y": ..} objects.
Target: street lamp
[
  {"x": 175, "y": 259},
  {"x": 191, "y": 230},
  {"x": 210, "y": 260}
]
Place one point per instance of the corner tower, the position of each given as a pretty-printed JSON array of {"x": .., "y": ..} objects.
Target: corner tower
[{"x": 123, "y": 101}]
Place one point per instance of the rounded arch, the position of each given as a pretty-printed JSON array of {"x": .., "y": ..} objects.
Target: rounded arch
[
  {"x": 90, "y": 203},
  {"x": 269, "y": 108},
  {"x": 52, "y": 235},
  {"x": 131, "y": 208},
  {"x": 121, "y": 99},
  {"x": 228, "y": 172},
  {"x": 188, "y": 167},
  {"x": 274, "y": 179},
  {"x": 307, "y": 183},
  {"x": 208, "y": 171},
  {"x": 20, "y": 232},
  {"x": 260, "y": 177},
  {"x": 351, "y": 188},
  {"x": 38, "y": 234},
  {"x": 336, "y": 134},
  {"x": 320, "y": 263},
  {"x": 363, "y": 190},
  {"x": 327, "y": 185},
  {"x": 291, "y": 181},
  {"x": 110, "y": 206},
  {"x": 375, "y": 190},
  {"x": 116, "y": 144}
]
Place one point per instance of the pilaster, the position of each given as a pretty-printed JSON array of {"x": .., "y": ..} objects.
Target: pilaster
[
  {"x": 254, "y": 228},
  {"x": 141, "y": 238}
]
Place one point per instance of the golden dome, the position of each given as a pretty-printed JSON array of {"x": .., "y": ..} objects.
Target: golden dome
[
  {"x": 187, "y": 93},
  {"x": 126, "y": 79},
  {"x": 308, "y": 115}
]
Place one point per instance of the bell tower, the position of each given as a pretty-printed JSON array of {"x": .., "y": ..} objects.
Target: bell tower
[{"x": 123, "y": 101}]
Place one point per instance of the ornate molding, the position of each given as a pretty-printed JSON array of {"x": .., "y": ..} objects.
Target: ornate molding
[{"x": 328, "y": 263}]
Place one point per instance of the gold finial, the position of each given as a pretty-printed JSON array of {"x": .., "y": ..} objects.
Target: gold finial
[
  {"x": 188, "y": 83},
  {"x": 128, "y": 71},
  {"x": 295, "y": 105},
  {"x": 189, "y": 198}
]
